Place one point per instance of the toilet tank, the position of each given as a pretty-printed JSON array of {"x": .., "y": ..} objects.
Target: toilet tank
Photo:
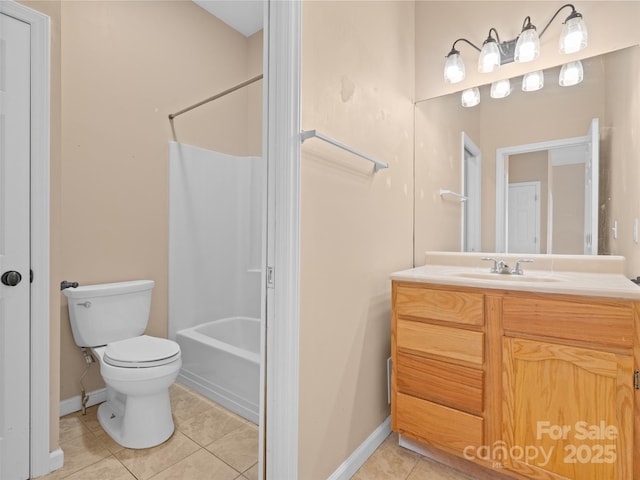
[{"x": 105, "y": 313}]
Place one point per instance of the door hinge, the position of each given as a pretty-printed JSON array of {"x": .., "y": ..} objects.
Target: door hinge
[
  {"x": 270, "y": 277},
  {"x": 636, "y": 380}
]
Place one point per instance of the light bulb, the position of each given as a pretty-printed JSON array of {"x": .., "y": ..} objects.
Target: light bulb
[
  {"x": 489, "y": 59},
  {"x": 470, "y": 97},
  {"x": 500, "y": 89},
  {"x": 533, "y": 81},
  {"x": 574, "y": 34},
  {"x": 571, "y": 74},
  {"x": 454, "y": 71},
  {"x": 527, "y": 46}
]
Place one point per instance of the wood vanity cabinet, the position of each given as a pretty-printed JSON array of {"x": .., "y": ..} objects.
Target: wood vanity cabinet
[
  {"x": 438, "y": 358},
  {"x": 530, "y": 385}
]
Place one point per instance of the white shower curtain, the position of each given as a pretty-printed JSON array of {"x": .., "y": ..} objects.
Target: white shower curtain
[{"x": 215, "y": 231}]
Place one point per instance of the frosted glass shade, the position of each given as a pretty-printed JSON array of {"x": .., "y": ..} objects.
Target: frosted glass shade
[
  {"x": 571, "y": 74},
  {"x": 500, "y": 89},
  {"x": 470, "y": 97},
  {"x": 527, "y": 46},
  {"x": 574, "y": 35},
  {"x": 454, "y": 71},
  {"x": 489, "y": 59},
  {"x": 533, "y": 81}
]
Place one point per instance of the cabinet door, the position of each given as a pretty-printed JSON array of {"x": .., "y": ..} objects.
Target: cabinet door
[{"x": 567, "y": 412}]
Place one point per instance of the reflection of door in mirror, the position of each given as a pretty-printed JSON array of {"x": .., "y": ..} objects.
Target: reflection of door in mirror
[
  {"x": 524, "y": 217},
  {"x": 472, "y": 190},
  {"x": 567, "y": 172}
]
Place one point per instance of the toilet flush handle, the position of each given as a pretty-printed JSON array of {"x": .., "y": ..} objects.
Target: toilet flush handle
[{"x": 86, "y": 304}]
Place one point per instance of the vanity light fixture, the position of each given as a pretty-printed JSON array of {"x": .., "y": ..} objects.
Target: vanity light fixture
[
  {"x": 533, "y": 81},
  {"x": 524, "y": 48}
]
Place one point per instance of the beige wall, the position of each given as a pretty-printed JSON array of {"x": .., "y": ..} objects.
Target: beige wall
[
  {"x": 568, "y": 208},
  {"x": 356, "y": 226},
  {"x": 620, "y": 148}
]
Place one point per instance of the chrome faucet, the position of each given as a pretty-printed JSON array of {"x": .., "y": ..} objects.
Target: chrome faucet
[
  {"x": 499, "y": 266},
  {"x": 502, "y": 267},
  {"x": 518, "y": 269}
]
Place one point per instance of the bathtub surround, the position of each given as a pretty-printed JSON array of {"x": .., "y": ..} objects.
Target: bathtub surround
[
  {"x": 221, "y": 360},
  {"x": 215, "y": 235}
]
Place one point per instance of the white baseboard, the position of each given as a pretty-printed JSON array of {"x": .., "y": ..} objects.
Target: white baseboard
[
  {"x": 56, "y": 460},
  {"x": 360, "y": 455},
  {"x": 74, "y": 404}
]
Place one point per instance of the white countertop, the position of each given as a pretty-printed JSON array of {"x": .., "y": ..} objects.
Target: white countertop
[{"x": 600, "y": 276}]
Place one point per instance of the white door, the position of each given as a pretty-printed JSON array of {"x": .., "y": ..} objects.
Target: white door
[
  {"x": 14, "y": 247},
  {"x": 523, "y": 221}
]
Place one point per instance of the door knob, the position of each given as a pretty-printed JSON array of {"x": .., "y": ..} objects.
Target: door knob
[{"x": 11, "y": 278}]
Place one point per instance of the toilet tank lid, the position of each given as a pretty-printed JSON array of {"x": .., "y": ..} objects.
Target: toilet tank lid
[{"x": 106, "y": 289}]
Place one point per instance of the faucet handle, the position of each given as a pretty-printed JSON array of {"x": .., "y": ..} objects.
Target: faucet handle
[
  {"x": 518, "y": 269},
  {"x": 494, "y": 269}
]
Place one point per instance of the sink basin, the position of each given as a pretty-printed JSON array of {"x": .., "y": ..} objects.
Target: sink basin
[{"x": 507, "y": 278}]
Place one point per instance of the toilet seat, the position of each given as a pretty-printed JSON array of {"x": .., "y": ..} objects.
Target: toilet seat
[{"x": 141, "y": 352}]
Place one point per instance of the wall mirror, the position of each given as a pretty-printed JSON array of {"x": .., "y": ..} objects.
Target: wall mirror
[{"x": 504, "y": 153}]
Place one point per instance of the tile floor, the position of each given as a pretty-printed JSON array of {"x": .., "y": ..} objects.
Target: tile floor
[
  {"x": 392, "y": 462},
  {"x": 209, "y": 443}
]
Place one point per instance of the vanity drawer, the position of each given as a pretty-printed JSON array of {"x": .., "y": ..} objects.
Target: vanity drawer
[
  {"x": 437, "y": 425},
  {"x": 444, "y": 305},
  {"x": 604, "y": 322},
  {"x": 449, "y": 343},
  {"x": 440, "y": 382}
]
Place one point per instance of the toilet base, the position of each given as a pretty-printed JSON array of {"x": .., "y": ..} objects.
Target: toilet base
[{"x": 139, "y": 422}]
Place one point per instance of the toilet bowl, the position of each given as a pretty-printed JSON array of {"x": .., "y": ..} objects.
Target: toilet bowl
[
  {"x": 137, "y": 413},
  {"x": 137, "y": 369}
]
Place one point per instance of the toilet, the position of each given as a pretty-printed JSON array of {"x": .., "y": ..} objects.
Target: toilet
[{"x": 137, "y": 369}]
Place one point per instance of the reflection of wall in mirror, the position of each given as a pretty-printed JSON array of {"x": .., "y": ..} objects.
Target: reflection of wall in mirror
[
  {"x": 568, "y": 208},
  {"x": 620, "y": 157}
]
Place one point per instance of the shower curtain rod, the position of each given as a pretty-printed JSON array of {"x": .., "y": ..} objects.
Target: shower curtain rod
[{"x": 215, "y": 97}]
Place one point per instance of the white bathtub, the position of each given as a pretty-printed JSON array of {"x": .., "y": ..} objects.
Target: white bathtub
[{"x": 221, "y": 360}]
